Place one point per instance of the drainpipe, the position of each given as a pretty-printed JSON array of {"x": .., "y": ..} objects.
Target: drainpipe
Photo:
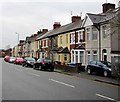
[{"x": 75, "y": 38}]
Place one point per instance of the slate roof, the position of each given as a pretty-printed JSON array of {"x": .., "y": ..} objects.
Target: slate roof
[
  {"x": 99, "y": 18},
  {"x": 82, "y": 46},
  {"x": 64, "y": 50},
  {"x": 63, "y": 29},
  {"x": 110, "y": 14},
  {"x": 95, "y": 18}
]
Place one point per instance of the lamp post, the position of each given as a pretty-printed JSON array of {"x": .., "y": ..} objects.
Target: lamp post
[
  {"x": 18, "y": 43},
  {"x": 18, "y": 37}
]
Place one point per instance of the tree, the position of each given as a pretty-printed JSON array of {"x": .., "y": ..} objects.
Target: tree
[{"x": 114, "y": 22}]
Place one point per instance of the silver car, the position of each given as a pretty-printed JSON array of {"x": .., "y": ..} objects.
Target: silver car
[{"x": 12, "y": 59}]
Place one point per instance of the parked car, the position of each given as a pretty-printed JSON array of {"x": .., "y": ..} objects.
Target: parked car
[
  {"x": 99, "y": 67},
  {"x": 79, "y": 66},
  {"x": 28, "y": 62},
  {"x": 11, "y": 60},
  {"x": 72, "y": 64},
  {"x": 6, "y": 58},
  {"x": 44, "y": 64},
  {"x": 18, "y": 61}
]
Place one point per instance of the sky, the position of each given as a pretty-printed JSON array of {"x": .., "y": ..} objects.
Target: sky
[{"x": 25, "y": 17}]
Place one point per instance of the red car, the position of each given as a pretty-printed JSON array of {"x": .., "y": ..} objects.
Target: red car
[
  {"x": 7, "y": 58},
  {"x": 18, "y": 61}
]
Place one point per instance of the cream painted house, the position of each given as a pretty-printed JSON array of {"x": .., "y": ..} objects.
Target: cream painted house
[
  {"x": 33, "y": 49},
  {"x": 63, "y": 55}
]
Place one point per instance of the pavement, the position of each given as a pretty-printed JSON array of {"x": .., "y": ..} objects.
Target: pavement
[{"x": 94, "y": 77}]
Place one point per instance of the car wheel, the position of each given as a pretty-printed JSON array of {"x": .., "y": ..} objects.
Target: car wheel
[
  {"x": 34, "y": 67},
  {"x": 25, "y": 65},
  {"x": 105, "y": 73},
  {"x": 51, "y": 69},
  {"x": 40, "y": 67},
  {"x": 89, "y": 71}
]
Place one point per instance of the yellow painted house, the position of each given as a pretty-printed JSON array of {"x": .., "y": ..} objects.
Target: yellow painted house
[
  {"x": 63, "y": 54},
  {"x": 64, "y": 40}
]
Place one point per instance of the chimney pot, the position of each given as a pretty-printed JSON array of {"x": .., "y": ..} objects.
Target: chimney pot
[
  {"x": 56, "y": 25},
  {"x": 75, "y": 18},
  {"x": 44, "y": 30}
]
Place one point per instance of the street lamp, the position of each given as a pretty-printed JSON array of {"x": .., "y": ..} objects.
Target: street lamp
[{"x": 18, "y": 37}]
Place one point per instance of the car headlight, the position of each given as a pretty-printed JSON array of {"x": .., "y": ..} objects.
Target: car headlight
[
  {"x": 28, "y": 61},
  {"x": 109, "y": 69}
]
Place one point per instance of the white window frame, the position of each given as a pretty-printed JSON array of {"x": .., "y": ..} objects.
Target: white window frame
[
  {"x": 88, "y": 54},
  {"x": 80, "y": 36},
  {"x": 72, "y": 38},
  {"x": 76, "y": 56},
  {"x": 88, "y": 32},
  {"x": 46, "y": 41},
  {"x": 95, "y": 55},
  {"x": 60, "y": 39},
  {"x": 83, "y": 58},
  {"x": 104, "y": 31},
  {"x": 73, "y": 56},
  {"x": 95, "y": 34}
]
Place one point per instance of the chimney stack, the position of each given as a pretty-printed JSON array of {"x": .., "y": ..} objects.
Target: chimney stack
[
  {"x": 56, "y": 25},
  {"x": 108, "y": 6},
  {"x": 44, "y": 30},
  {"x": 21, "y": 41},
  {"x": 75, "y": 18}
]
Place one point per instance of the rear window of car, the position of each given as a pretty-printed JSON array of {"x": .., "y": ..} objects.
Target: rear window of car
[
  {"x": 40, "y": 60},
  {"x": 19, "y": 58},
  {"x": 30, "y": 59},
  {"x": 47, "y": 60},
  {"x": 12, "y": 57},
  {"x": 92, "y": 62}
]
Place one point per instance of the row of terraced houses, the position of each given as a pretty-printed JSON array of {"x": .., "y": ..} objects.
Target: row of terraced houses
[{"x": 93, "y": 38}]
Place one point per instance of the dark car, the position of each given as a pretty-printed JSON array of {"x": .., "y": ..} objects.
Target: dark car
[
  {"x": 44, "y": 64},
  {"x": 72, "y": 64},
  {"x": 99, "y": 67},
  {"x": 28, "y": 62}
]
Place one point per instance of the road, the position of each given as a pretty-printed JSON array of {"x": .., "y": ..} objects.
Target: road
[{"x": 19, "y": 83}]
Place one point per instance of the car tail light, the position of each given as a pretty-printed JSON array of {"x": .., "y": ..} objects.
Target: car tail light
[{"x": 43, "y": 62}]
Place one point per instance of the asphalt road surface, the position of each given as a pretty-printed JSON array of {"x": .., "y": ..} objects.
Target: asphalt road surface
[{"x": 19, "y": 83}]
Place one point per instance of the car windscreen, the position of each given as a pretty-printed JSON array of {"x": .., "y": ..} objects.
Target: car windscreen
[
  {"x": 30, "y": 59},
  {"x": 19, "y": 58},
  {"x": 108, "y": 64},
  {"x": 47, "y": 60},
  {"x": 12, "y": 57}
]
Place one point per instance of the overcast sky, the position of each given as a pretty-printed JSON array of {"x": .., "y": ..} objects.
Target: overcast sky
[{"x": 26, "y": 17}]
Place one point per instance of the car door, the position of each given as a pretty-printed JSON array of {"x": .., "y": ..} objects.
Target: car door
[
  {"x": 38, "y": 62},
  {"x": 99, "y": 67},
  {"x": 93, "y": 66}
]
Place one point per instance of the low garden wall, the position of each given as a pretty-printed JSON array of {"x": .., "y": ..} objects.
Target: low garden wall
[{"x": 68, "y": 68}]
